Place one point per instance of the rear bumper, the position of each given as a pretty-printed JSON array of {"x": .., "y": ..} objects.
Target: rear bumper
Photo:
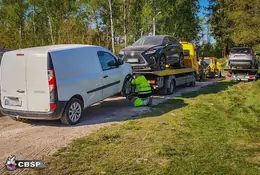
[
  {"x": 54, "y": 115},
  {"x": 240, "y": 62}
]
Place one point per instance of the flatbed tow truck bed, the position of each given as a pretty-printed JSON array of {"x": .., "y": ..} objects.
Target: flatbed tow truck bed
[
  {"x": 240, "y": 74},
  {"x": 165, "y": 81}
]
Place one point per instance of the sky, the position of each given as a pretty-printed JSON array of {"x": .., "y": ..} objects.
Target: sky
[{"x": 203, "y": 4}]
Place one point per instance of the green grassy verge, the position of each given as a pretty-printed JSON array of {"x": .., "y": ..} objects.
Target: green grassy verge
[{"x": 211, "y": 131}]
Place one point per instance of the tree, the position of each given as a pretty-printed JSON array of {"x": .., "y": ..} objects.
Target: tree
[
  {"x": 28, "y": 23},
  {"x": 111, "y": 23},
  {"x": 235, "y": 22}
]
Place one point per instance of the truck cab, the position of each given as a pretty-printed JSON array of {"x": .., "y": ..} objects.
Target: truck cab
[{"x": 190, "y": 56}]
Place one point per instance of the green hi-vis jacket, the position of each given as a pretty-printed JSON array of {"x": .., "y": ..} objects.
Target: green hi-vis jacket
[{"x": 141, "y": 83}]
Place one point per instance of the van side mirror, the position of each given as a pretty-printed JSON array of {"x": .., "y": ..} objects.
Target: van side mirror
[
  {"x": 186, "y": 53},
  {"x": 120, "y": 62}
]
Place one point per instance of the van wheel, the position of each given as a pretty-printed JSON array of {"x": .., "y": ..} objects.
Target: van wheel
[
  {"x": 127, "y": 87},
  {"x": 73, "y": 112}
]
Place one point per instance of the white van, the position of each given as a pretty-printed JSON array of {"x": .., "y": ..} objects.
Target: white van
[{"x": 58, "y": 82}]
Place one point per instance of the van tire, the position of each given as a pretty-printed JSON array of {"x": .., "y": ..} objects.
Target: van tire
[
  {"x": 127, "y": 80},
  {"x": 67, "y": 118}
]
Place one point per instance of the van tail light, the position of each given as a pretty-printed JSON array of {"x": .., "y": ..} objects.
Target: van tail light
[
  {"x": 53, "y": 106},
  {"x": 249, "y": 54},
  {"x": 52, "y": 80}
]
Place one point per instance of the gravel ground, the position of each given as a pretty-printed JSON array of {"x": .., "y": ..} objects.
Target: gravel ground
[{"x": 39, "y": 139}]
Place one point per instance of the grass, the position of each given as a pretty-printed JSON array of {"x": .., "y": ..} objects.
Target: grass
[{"x": 212, "y": 131}]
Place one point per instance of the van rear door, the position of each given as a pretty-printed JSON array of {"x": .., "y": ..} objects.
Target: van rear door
[
  {"x": 38, "y": 95},
  {"x": 13, "y": 81}
]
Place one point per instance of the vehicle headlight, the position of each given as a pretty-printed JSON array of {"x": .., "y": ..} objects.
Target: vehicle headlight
[
  {"x": 149, "y": 52},
  {"x": 121, "y": 52}
]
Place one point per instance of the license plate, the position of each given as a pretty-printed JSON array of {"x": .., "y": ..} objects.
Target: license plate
[
  {"x": 132, "y": 60},
  {"x": 12, "y": 101}
]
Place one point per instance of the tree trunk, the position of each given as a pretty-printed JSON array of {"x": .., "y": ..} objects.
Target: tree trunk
[
  {"x": 50, "y": 24},
  {"x": 111, "y": 23},
  {"x": 50, "y": 28},
  {"x": 125, "y": 24},
  {"x": 34, "y": 30}
]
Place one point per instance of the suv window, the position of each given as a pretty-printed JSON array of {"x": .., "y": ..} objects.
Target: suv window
[
  {"x": 173, "y": 40},
  {"x": 105, "y": 58},
  {"x": 166, "y": 40},
  {"x": 241, "y": 50}
]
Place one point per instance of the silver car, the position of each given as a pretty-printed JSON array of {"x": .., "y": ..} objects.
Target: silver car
[{"x": 242, "y": 57}]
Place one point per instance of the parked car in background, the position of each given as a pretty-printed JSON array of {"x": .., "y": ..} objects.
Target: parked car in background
[
  {"x": 242, "y": 57},
  {"x": 58, "y": 82},
  {"x": 154, "y": 53}
]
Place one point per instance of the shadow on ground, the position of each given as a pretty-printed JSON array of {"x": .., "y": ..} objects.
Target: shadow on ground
[
  {"x": 210, "y": 89},
  {"x": 121, "y": 109}
]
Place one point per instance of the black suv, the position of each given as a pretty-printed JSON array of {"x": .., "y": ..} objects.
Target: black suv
[{"x": 153, "y": 53}]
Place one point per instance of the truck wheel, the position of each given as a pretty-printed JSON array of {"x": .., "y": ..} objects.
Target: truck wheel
[
  {"x": 219, "y": 74},
  {"x": 73, "y": 112},
  {"x": 213, "y": 75},
  {"x": 161, "y": 64},
  {"x": 171, "y": 89},
  {"x": 193, "y": 83}
]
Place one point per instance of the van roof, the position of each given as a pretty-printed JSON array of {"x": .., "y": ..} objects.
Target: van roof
[{"x": 52, "y": 48}]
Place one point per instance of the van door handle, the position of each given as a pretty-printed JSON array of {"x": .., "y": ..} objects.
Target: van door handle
[
  {"x": 105, "y": 76},
  {"x": 20, "y": 91}
]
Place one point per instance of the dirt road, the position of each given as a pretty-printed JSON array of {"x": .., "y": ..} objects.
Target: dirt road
[{"x": 38, "y": 139}]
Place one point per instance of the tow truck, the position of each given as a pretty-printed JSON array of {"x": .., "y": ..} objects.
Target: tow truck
[{"x": 165, "y": 81}]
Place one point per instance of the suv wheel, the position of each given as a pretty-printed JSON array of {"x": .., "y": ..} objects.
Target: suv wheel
[
  {"x": 181, "y": 61},
  {"x": 161, "y": 64},
  {"x": 73, "y": 112}
]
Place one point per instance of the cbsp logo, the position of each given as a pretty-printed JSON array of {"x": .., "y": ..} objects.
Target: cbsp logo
[{"x": 12, "y": 164}]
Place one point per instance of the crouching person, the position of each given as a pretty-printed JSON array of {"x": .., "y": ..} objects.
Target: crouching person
[{"x": 143, "y": 91}]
